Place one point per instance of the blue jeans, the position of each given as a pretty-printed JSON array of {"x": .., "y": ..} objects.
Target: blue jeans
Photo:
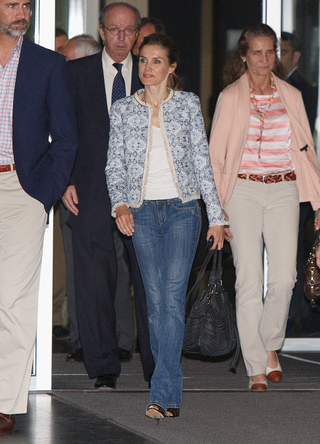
[{"x": 165, "y": 240}]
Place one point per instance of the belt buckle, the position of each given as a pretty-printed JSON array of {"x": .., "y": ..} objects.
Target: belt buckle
[{"x": 263, "y": 179}]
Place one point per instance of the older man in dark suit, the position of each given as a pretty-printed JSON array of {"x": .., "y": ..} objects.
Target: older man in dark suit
[
  {"x": 35, "y": 102},
  {"x": 97, "y": 81}
]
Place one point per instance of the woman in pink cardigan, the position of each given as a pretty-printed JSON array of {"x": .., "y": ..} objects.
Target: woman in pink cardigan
[{"x": 264, "y": 163}]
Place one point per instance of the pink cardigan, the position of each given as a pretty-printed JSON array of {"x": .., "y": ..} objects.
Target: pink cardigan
[{"x": 229, "y": 133}]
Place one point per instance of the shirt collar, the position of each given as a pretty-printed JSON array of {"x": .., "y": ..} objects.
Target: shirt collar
[
  {"x": 291, "y": 72},
  {"x": 109, "y": 62},
  {"x": 17, "y": 48}
]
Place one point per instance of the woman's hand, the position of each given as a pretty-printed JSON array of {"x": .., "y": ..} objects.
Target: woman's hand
[
  {"x": 217, "y": 231},
  {"x": 227, "y": 233},
  {"x": 124, "y": 220}
]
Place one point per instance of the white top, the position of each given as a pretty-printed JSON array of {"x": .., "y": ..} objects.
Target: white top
[
  {"x": 159, "y": 184},
  {"x": 109, "y": 73}
]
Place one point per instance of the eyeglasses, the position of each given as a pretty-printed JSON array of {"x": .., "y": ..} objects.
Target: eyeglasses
[{"x": 116, "y": 31}]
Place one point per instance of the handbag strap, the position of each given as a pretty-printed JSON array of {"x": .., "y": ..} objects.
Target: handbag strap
[
  {"x": 192, "y": 293},
  {"x": 216, "y": 272}
]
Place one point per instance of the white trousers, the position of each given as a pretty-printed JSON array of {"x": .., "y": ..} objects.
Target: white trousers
[
  {"x": 22, "y": 224},
  {"x": 263, "y": 213}
]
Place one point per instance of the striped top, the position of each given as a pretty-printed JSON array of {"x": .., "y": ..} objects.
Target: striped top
[
  {"x": 8, "y": 76},
  {"x": 275, "y": 142}
]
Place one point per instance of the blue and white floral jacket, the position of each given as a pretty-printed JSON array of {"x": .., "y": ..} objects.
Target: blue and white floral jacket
[{"x": 185, "y": 140}]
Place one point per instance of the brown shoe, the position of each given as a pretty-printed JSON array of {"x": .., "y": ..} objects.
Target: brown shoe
[
  {"x": 257, "y": 386},
  {"x": 6, "y": 423},
  {"x": 274, "y": 374}
]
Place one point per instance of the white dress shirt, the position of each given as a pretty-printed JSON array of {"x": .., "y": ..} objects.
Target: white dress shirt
[{"x": 109, "y": 73}]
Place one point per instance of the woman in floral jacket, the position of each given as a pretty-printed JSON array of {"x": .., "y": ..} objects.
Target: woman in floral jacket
[{"x": 158, "y": 166}]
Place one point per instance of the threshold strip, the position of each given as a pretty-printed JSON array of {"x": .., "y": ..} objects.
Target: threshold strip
[
  {"x": 244, "y": 390},
  {"x": 299, "y": 359}
]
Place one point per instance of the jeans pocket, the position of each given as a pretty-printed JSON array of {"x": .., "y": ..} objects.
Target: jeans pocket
[
  {"x": 137, "y": 210},
  {"x": 177, "y": 204}
]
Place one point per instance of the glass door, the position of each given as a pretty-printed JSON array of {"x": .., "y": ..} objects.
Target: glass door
[
  {"x": 296, "y": 23},
  {"x": 42, "y": 32}
]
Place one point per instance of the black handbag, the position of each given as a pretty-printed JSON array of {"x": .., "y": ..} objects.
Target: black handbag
[
  {"x": 211, "y": 325},
  {"x": 312, "y": 274}
]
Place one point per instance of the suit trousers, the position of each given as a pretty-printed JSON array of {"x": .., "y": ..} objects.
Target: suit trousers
[
  {"x": 123, "y": 299},
  {"x": 140, "y": 304},
  {"x": 263, "y": 214},
  {"x": 95, "y": 272},
  {"x": 71, "y": 299},
  {"x": 22, "y": 224}
]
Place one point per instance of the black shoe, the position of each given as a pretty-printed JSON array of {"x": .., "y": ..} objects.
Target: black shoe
[
  {"x": 124, "y": 355},
  {"x": 106, "y": 380},
  {"x": 59, "y": 332},
  {"x": 75, "y": 356}
]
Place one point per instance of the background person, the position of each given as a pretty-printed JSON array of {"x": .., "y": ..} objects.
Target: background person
[
  {"x": 148, "y": 25},
  {"x": 158, "y": 164},
  {"x": 61, "y": 37},
  {"x": 300, "y": 314},
  {"x": 263, "y": 161},
  {"x": 82, "y": 45}
]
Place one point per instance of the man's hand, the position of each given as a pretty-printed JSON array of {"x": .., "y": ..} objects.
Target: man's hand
[{"x": 70, "y": 199}]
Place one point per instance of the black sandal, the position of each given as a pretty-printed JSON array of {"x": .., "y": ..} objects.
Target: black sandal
[
  {"x": 174, "y": 413},
  {"x": 155, "y": 412}
]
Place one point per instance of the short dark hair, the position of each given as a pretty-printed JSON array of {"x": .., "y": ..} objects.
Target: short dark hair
[
  {"x": 158, "y": 25},
  {"x": 293, "y": 39},
  {"x": 60, "y": 32},
  {"x": 107, "y": 8}
]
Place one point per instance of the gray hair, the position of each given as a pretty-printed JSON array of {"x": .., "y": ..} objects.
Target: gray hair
[
  {"x": 86, "y": 45},
  {"x": 107, "y": 8}
]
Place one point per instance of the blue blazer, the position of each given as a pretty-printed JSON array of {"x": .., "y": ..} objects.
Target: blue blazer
[
  {"x": 43, "y": 106},
  {"x": 88, "y": 89}
]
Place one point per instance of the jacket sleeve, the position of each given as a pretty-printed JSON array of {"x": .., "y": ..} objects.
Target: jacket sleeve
[
  {"x": 63, "y": 130},
  {"x": 116, "y": 169},
  {"x": 220, "y": 130},
  {"x": 201, "y": 163}
]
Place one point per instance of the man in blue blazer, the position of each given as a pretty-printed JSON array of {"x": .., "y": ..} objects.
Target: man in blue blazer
[
  {"x": 35, "y": 103},
  {"x": 95, "y": 263}
]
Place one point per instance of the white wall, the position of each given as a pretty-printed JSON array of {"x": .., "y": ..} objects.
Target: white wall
[{"x": 142, "y": 5}]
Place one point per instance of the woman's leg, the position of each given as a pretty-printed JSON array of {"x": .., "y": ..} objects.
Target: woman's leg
[
  {"x": 281, "y": 223},
  {"x": 182, "y": 228},
  {"x": 165, "y": 260},
  {"x": 245, "y": 211}
]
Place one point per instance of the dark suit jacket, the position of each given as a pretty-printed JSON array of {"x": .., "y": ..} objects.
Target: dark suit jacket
[
  {"x": 42, "y": 106},
  {"x": 309, "y": 95},
  {"x": 87, "y": 82}
]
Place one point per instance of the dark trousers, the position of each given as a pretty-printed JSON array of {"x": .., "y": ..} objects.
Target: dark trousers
[
  {"x": 71, "y": 301},
  {"x": 140, "y": 310},
  {"x": 95, "y": 270},
  {"x": 300, "y": 307}
]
